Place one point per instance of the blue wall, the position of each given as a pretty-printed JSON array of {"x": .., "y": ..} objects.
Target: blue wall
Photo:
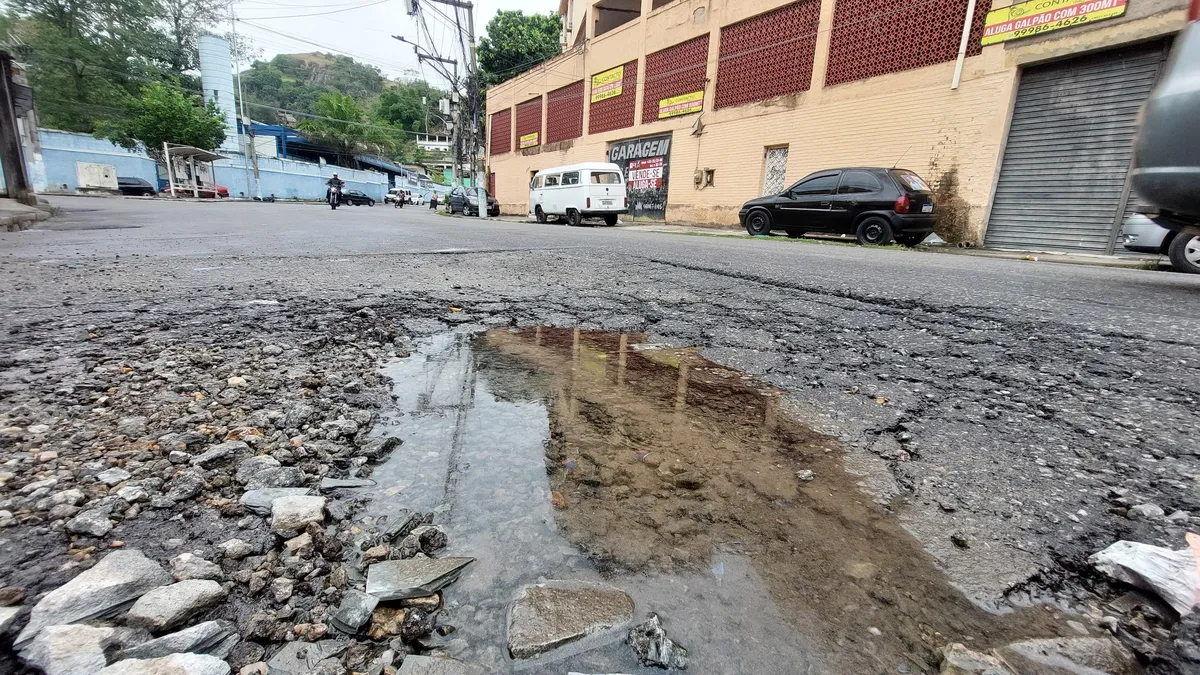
[
  {"x": 285, "y": 178},
  {"x": 61, "y": 149},
  {"x": 290, "y": 179}
]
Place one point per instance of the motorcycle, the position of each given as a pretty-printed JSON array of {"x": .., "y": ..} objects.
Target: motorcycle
[{"x": 334, "y": 197}]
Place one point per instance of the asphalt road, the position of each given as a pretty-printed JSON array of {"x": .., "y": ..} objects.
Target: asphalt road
[{"x": 993, "y": 405}]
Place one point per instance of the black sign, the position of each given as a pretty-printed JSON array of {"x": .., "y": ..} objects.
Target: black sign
[{"x": 646, "y": 163}]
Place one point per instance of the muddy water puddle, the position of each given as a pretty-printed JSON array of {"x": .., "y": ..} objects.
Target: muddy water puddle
[{"x": 566, "y": 454}]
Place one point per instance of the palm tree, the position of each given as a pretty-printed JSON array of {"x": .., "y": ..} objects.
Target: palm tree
[{"x": 342, "y": 126}]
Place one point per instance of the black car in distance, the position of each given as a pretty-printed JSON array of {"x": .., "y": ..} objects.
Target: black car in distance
[
  {"x": 875, "y": 205},
  {"x": 356, "y": 198},
  {"x": 466, "y": 201},
  {"x": 134, "y": 187}
]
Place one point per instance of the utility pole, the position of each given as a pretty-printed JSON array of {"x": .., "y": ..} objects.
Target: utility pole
[
  {"x": 253, "y": 149},
  {"x": 471, "y": 118},
  {"x": 16, "y": 176},
  {"x": 473, "y": 84}
]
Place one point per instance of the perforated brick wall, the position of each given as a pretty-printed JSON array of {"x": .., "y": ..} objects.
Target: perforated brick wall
[
  {"x": 501, "y": 132},
  {"x": 768, "y": 55},
  {"x": 674, "y": 71},
  {"x": 529, "y": 119},
  {"x": 564, "y": 113},
  {"x": 617, "y": 112},
  {"x": 874, "y": 37}
]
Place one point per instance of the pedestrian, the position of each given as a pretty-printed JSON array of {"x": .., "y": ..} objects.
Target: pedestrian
[{"x": 433, "y": 201}]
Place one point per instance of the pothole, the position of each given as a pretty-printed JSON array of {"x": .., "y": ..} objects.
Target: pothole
[{"x": 560, "y": 454}]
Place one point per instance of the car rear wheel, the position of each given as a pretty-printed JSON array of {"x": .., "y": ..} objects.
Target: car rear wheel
[
  {"x": 610, "y": 220},
  {"x": 1184, "y": 253},
  {"x": 758, "y": 223},
  {"x": 539, "y": 214},
  {"x": 874, "y": 231},
  {"x": 573, "y": 218}
]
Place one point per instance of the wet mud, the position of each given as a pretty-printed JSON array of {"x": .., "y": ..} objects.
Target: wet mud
[{"x": 560, "y": 453}]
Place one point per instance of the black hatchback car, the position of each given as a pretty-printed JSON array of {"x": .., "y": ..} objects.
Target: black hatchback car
[
  {"x": 134, "y": 187},
  {"x": 875, "y": 205},
  {"x": 466, "y": 201},
  {"x": 356, "y": 198}
]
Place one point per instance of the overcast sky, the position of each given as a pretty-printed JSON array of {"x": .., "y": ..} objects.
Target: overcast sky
[{"x": 363, "y": 29}]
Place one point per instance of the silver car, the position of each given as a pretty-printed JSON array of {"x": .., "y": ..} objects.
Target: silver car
[{"x": 1140, "y": 234}]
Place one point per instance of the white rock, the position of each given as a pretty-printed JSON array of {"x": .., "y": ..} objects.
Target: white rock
[
  {"x": 118, "y": 579},
  {"x": 190, "y": 566},
  {"x": 68, "y": 650},
  {"x": 1173, "y": 575},
  {"x": 235, "y": 549},
  {"x": 296, "y": 512},
  {"x": 113, "y": 476},
  {"x": 168, "y": 606},
  {"x": 38, "y": 428},
  {"x": 133, "y": 494},
  {"x": 175, "y": 664}
]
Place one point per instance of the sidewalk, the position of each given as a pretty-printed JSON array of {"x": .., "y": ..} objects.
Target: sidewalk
[
  {"x": 1130, "y": 260},
  {"x": 15, "y": 216}
]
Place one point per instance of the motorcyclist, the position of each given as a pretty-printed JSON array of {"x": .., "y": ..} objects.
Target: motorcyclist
[{"x": 334, "y": 182}]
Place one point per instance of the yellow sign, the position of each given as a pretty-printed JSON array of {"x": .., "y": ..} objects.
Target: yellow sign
[
  {"x": 529, "y": 140},
  {"x": 1041, "y": 16},
  {"x": 607, "y": 85},
  {"x": 680, "y": 105}
]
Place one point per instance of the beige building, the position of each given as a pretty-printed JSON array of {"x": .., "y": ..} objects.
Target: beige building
[{"x": 708, "y": 103}]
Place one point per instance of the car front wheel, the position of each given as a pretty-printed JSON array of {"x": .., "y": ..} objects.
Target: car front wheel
[
  {"x": 539, "y": 214},
  {"x": 1184, "y": 253},
  {"x": 758, "y": 223},
  {"x": 874, "y": 231}
]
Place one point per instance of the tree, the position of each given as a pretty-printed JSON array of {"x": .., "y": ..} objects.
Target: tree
[
  {"x": 88, "y": 56},
  {"x": 165, "y": 114},
  {"x": 186, "y": 21},
  {"x": 402, "y": 106},
  {"x": 516, "y": 42},
  {"x": 343, "y": 127}
]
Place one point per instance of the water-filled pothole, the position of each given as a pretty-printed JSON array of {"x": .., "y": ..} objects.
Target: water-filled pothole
[{"x": 567, "y": 454}]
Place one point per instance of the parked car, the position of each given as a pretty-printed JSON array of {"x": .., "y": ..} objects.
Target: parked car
[
  {"x": 356, "y": 198},
  {"x": 591, "y": 190},
  {"x": 466, "y": 201},
  {"x": 1140, "y": 233},
  {"x": 873, "y": 204},
  {"x": 134, "y": 187},
  {"x": 1167, "y": 150}
]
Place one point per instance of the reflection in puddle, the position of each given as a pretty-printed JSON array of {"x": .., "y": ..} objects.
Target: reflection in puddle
[{"x": 561, "y": 454}]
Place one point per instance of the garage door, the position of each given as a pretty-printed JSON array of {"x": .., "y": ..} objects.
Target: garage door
[{"x": 1066, "y": 162}]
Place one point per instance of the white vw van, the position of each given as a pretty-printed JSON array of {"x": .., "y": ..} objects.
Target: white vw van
[{"x": 591, "y": 190}]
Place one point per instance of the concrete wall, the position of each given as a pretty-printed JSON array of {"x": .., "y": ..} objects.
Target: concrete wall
[
  {"x": 953, "y": 137},
  {"x": 289, "y": 179},
  {"x": 54, "y": 170}
]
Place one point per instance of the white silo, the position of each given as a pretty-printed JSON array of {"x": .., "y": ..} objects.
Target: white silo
[{"x": 216, "y": 76}]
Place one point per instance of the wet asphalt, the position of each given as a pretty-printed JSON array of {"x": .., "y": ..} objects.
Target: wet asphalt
[{"x": 997, "y": 401}]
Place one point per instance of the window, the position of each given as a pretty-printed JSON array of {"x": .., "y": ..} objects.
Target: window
[
  {"x": 551, "y": 181},
  {"x": 817, "y": 185},
  {"x": 912, "y": 181},
  {"x": 858, "y": 182},
  {"x": 606, "y": 178},
  {"x": 570, "y": 178},
  {"x": 537, "y": 183}
]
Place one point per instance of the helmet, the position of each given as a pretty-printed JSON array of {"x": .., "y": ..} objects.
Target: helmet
[{"x": 335, "y": 174}]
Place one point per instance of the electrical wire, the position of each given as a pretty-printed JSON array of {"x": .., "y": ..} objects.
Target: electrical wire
[{"x": 332, "y": 11}]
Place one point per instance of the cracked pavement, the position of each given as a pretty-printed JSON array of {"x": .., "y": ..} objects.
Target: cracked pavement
[{"x": 1008, "y": 412}]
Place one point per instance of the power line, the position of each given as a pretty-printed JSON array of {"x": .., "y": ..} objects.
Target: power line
[{"x": 332, "y": 11}]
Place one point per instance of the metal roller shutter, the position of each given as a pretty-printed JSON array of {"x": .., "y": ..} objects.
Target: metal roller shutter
[{"x": 1070, "y": 144}]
